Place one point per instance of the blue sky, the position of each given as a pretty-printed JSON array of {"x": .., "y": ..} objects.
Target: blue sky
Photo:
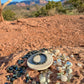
[{"x": 2, "y": 1}]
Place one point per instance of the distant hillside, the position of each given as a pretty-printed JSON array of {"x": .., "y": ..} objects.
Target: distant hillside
[
  {"x": 29, "y": 2},
  {"x": 23, "y": 11},
  {"x": 63, "y": 1}
]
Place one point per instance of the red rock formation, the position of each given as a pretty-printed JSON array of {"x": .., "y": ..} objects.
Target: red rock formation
[{"x": 21, "y": 4}]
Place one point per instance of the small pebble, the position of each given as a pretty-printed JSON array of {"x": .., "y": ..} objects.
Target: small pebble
[
  {"x": 33, "y": 82},
  {"x": 59, "y": 60},
  {"x": 27, "y": 80},
  {"x": 63, "y": 67},
  {"x": 60, "y": 54},
  {"x": 59, "y": 68},
  {"x": 41, "y": 75},
  {"x": 66, "y": 58},
  {"x": 72, "y": 55},
  {"x": 52, "y": 54},
  {"x": 57, "y": 52},
  {"x": 46, "y": 51},
  {"x": 67, "y": 74},
  {"x": 54, "y": 63},
  {"x": 49, "y": 80},
  {"x": 6, "y": 83},
  {"x": 80, "y": 65},
  {"x": 59, "y": 74},
  {"x": 58, "y": 77},
  {"x": 68, "y": 63},
  {"x": 64, "y": 78},
  {"x": 45, "y": 83},
  {"x": 70, "y": 76},
  {"x": 44, "y": 74},
  {"x": 20, "y": 61},
  {"x": 27, "y": 75},
  {"x": 69, "y": 71},
  {"x": 42, "y": 79},
  {"x": 48, "y": 75},
  {"x": 57, "y": 82},
  {"x": 50, "y": 72},
  {"x": 37, "y": 82},
  {"x": 59, "y": 63},
  {"x": 64, "y": 55}
]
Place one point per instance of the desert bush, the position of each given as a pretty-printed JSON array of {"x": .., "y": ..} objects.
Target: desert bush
[
  {"x": 78, "y": 4},
  {"x": 50, "y": 8},
  {"x": 41, "y": 12},
  {"x": 9, "y": 15},
  {"x": 52, "y": 12}
]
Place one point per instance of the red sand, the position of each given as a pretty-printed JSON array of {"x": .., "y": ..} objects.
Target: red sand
[{"x": 36, "y": 33}]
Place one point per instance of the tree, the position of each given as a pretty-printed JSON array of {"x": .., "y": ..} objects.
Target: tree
[
  {"x": 1, "y": 9},
  {"x": 79, "y": 4},
  {"x": 9, "y": 15}
]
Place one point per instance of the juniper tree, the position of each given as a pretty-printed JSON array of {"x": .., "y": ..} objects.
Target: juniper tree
[{"x": 1, "y": 9}]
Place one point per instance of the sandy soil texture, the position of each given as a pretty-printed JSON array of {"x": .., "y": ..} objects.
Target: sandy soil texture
[{"x": 35, "y": 33}]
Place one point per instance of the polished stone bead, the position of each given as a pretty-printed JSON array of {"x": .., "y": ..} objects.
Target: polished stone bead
[
  {"x": 6, "y": 83},
  {"x": 68, "y": 63},
  {"x": 20, "y": 61},
  {"x": 37, "y": 82},
  {"x": 12, "y": 79},
  {"x": 27, "y": 79},
  {"x": 8, "y": 78}
]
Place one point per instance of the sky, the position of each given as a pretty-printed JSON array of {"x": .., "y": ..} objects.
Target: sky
[{"x": 3, "y": 1}]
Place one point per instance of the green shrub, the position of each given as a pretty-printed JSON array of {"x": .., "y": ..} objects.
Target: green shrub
[
  {"x": 78, "y": 4},
  {"x": 9, "y": 15},
  {"x": 50, "y": 8},
  {"x": 52, "y": 12}
]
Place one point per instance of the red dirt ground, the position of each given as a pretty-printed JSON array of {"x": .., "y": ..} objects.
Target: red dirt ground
[{"x": 36, "y": 33}]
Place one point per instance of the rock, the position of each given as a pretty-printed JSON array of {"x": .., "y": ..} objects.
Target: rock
[
  {"x": 46, "y": 51},
  {"x": 72, "y": 55},
  {"x": 42, "y": 79},
  {"x": 57, "y": 82},
  {"x": 48, "y": 80},
  {"x": 59, "y": 74},
  {"x": 57, "y": 52},
  {"x": 69, "y": 63},
  {"x": 41, "y": 75},
  {"x": 80, "y": 65},
  {"x": 48, "y": 75},
  {"x": 59, "y": 62},
  {"x": 66, "y": 58},
  {"x": 60, "y": 54},
  {"x": 59, "y": 69},
  {"x": 70, "y": 76},
  {"x": 51, "y": 54},
  {"x": 37, "y": 82},
  {"x": 63, "y": 67},
  {"x": 45, "y": 83},
  {"x": 69, "y": 71},
  {"x": 58, "y": 77},
  {"x": 27, "y": 75},
  {"x": 20, "y": 61},
  {"x": 33, "y": 82},
  {"x": 67, "y": 74},
  {"x": 50, "y": 72},
  {"x": 6, "y": 83},
  {"x": 64, "y": 78},
  {"x": 54, "y": 63},
  {"x": 44, "y": 74}
]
